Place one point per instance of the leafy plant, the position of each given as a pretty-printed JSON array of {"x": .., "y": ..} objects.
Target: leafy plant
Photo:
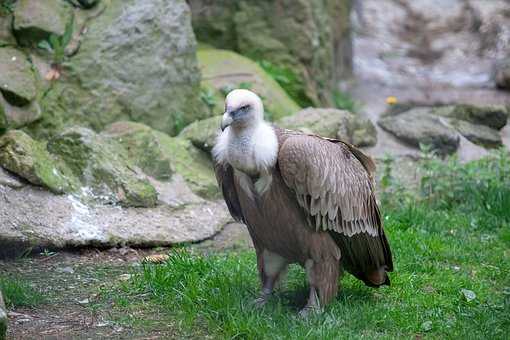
[
  {"x": 57, "y": 44},
  {"x": 208, "y": 98},
  {"x": 6, "y": 7},
  {"x": 344, "y": 101}
]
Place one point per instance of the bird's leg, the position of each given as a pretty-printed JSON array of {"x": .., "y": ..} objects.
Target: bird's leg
[
  {"x": 272, "y": 267},
  {"x": 323, "y": 280}
]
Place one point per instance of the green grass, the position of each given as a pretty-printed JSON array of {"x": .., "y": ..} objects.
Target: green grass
[
  {"x": 18, "y": 293},
  {"x": 451, "y": 235},
  {"x": 344, "y": 101}
]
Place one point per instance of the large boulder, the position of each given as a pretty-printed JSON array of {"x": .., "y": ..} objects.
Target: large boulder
[
  {"x": 31, "y": 218},
  {"x": 494, "y": 116},
  {"x": 478, "y": 134},
  {"x": 143, "y": 147},
  {"x": 203, "y": 133},
  {"x": 417, "y": 126},
  {"x": 502, "y": 74},
  {"x": 333, "y": 123},
  {"x": 16, "y": 117},
  {"x": 103, "y": 167},
  {"x": 309, "y": 64},
  {"x": 225, "y": 70},
  {"x": 174, "y": 153},
  {"x": 37, "y": 20},
  {"x": 137, "y": 61},
  {"x": 17, "y": 79},
  {"x": 29, "y": 159}
]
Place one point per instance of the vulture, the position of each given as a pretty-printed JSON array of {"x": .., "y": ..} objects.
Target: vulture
[{"x": 305, "y": 199}]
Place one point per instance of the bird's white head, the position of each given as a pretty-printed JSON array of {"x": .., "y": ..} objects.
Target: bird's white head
[{"x": 243, "y": 109}]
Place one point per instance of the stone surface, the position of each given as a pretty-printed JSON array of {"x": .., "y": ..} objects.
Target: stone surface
[
  {"x": 192, "y": 164},
  {"x": 17, "y": 80},
  {"x": 478, "y": 134},
  {"x": 37, "y": 20},
  {"x": 494, "y": 116},
  {"x": 3, "y": 318},
  {"x": 9, "y": 179},
  {"x": 502, "y": 74},
  {"x": 103, "y": 168},
  {"x": 203, "y": 133},
  {"x": 25, "y": 222},
  {"x": 6, "y": 37},
  {"x": 332, "y": 123},
  {"x": 358, "y": 131},
  {"x": 161, "y": 86},
  {"x": 17, "y": 117},
  {"x": 315, "y": 55},
  {"x": 29, "y": 159},
  {"x": 417, "y": 127},
  {"x": 143, "y": 147},
  {"x": 225, "y": 70}
]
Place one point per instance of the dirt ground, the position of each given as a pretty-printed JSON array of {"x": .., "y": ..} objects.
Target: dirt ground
[{"x": 72, "y": 280}]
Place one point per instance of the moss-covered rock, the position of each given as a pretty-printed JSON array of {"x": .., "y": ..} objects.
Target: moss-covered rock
[
  {"x": 37, "y": 20},
  {"x": 29, "y": 159},
  {"x": 192, "y": 164},
  {"x": 309, "y": 64},
  {"x": 417, "y": 127},
  {"x": 137, "y": 62},
  {"x": 478, "y": 134},
  {"x": 225, "y": 70},
  {"x": 143, "y": 147},
  {"x": 17, "y": 117},
  {"x": 203, "y": 133},
  {"x": 494, "y": 116},
  {"x": 103, "y": 165},
  {"x": 333, "y": 123},
  {"x": 358, "y": 131},
  {"x": 17, "y": 79}
]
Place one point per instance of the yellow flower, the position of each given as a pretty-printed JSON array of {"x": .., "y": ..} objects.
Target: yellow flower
[{"x": 391, "y": 100}]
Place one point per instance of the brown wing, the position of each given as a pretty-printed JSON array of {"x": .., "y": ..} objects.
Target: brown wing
[
  {"x": 225, "y": 177},
  {"x": 333, "y": 184}
]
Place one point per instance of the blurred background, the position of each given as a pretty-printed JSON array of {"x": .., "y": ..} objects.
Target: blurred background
[{"x": 109, "y": 110}]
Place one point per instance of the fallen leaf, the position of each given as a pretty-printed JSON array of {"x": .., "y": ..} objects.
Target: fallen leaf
[{"x": 157, "y": 258}]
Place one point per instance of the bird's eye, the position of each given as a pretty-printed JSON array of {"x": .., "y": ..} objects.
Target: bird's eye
[{"x": 244, "y": 108}]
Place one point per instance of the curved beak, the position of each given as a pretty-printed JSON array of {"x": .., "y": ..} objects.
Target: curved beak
[{"x": 227, "y": 120}]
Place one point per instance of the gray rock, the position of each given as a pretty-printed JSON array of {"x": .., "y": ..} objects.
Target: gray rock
[
  {"x": 17, "y": 80},
  {"x": 203, "y": 133},
  {"x": 494, "y": 116},
  {"x": 502, "y": 74},
  {"x": 16, "y": 117},
  {"x": 332, "y": 123},
  {"x": 310, "y": 63},
  {"x": 37, "y": 20},
  {"x": 29, "y": 159},
  {"x": 417, "y": 127},
  {"x": 25, "y": 222},
  {"x": 3, "y": 318},
  {"x": 6, "y": 37},
  {"x": 478, "y": 134},
  {"x": 9, "y": 179},
  {"x": 103, "y": 167},
  {"x": 136, "y": 62}
]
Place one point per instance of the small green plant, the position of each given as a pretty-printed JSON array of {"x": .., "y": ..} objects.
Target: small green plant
[
  {"x": 6, "y": 7},
  {"x": 344, "y": 101},
  {"x": 18, "y": 293},
  {"x": 56, "y": 45},
  {"x": 208, "y": 98},
  {"x": 289, "y": 81}
]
